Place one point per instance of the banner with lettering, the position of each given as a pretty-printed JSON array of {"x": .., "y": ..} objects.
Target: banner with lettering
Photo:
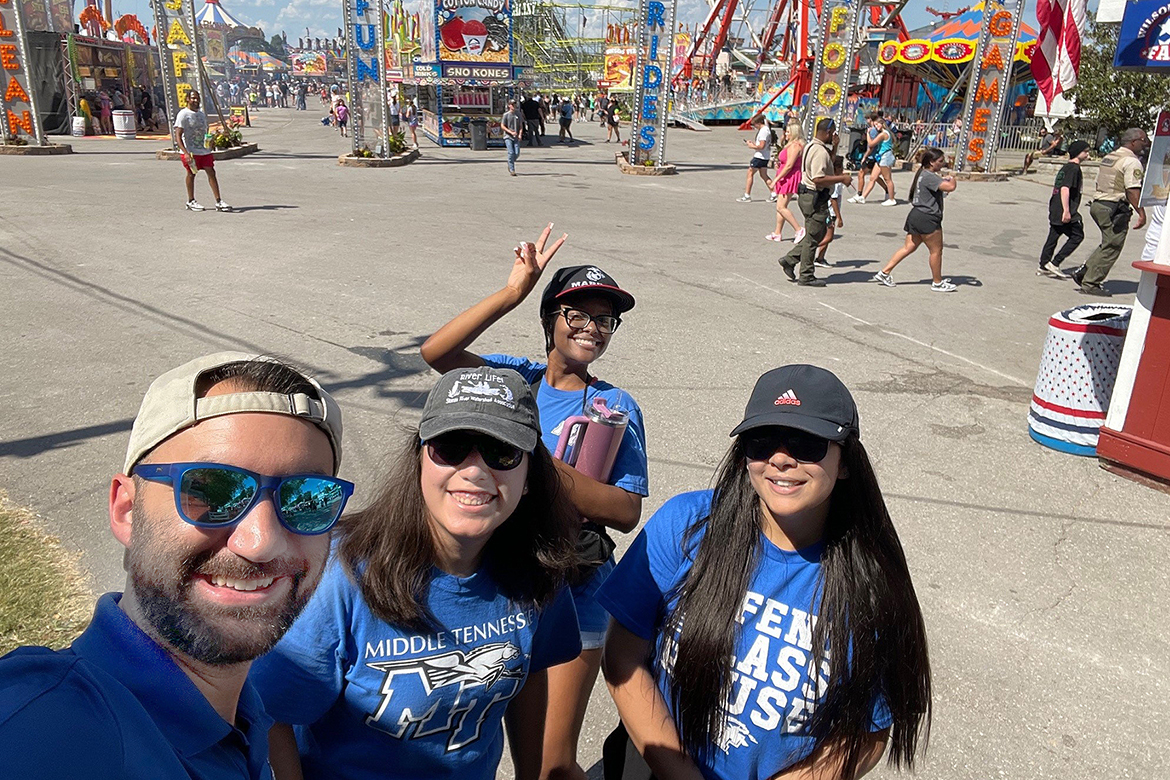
[
  {"x": 652, "y": 81},
  {"x": 474, "y": 31},
  {"x": 19, "y": 120},
  {"x": 990, "y": 85},
  {"x": 833, "y": 67}
]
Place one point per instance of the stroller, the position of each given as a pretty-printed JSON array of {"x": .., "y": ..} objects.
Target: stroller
[{"x": 856, "y": 155}]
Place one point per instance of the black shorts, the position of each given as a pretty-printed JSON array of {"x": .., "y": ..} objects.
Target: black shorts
[
  {"x": 920, "y": 223},
  {"x": 756, "y": 162},
  {"x": 868, "y": 163},
  {"x": 565, "y": 122}
]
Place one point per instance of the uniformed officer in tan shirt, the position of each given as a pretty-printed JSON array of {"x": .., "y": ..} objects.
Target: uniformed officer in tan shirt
[
  {"x": 1116, "y": 197},
  {"x": 816, "y": 187}
]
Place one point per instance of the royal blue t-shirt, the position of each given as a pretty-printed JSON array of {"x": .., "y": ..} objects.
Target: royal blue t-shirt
[
  {"x": 372, "y": 701},
  {"x": 771, "y": 691},
  {"x": 629, "y": 467},
  {"x": 115, "y": 705}
]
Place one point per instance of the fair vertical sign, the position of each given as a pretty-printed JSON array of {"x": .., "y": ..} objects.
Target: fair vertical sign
[
  {"x": 834, "y": 66},
  {"x": 18, "y": 108},
  {"x": 987, "y": 92},
  {"x": 652, "y": 81}
]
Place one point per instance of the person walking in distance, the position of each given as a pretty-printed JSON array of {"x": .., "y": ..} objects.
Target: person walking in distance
[
  {"x": 531, "y": 110},
  {"x": 612, "y": 117},
  {"x": 510, "y": 124},
  {"x": 884, "y": 153},
  {"x": 565, "y": 109},
  {"x": 787, "y": 181},
  {"x": 869, "y": 159},
  {"x": 1116, "y": 198},
  {"x": 758, "y": 164},
  {"x": 816, "y": 188},
  {"x": 1063, "y": 217},
  {"x": 924, "y": 222},
  {"x": 190, "y": 132}
]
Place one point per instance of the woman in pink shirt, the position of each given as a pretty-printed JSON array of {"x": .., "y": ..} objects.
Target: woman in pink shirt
[{"x": 788, "y": 179}]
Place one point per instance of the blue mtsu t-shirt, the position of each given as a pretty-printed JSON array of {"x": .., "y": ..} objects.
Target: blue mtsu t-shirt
[
  {"x": 771, "y": 692},
  {"x": 372, "y": 700},
  {"x": 629, "y": 467}
]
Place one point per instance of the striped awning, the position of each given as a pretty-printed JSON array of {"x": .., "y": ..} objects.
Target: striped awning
[{"x": 213, "y": 13}]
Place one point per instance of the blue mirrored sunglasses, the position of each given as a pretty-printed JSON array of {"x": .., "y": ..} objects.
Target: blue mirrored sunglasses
[{"x": 212, "y": 495}]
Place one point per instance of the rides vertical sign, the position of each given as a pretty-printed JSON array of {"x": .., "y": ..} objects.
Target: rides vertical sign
[
  {"x": 18, "y": 108},
  {"x": 991, "y": 81},
  {"x": 652, "y": 80},
  {"x": 834, "y": 66}
]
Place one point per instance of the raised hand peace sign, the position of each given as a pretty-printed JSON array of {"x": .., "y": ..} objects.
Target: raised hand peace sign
[{"x": 531, "y": 260}]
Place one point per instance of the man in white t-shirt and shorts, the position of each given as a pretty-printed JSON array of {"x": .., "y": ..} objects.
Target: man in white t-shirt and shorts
[
  {"x": 759, "y": 162},
  {"x": 189, "y": 131}
]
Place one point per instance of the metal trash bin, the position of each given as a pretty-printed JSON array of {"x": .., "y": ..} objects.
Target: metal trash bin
[
  {"x": 478, "y": 135},
  {"x": 1076, "y": 376}
]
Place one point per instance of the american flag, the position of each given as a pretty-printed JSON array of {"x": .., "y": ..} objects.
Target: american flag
[{"x": 1058, "y": 53}]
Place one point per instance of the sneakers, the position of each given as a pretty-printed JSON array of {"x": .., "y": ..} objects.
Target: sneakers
[
  {"x": 822, "y": 262},
  {"x": 1052, "y": 270},
  {"x": 944, "y": 286},
  {"x": 221, "y": 206},
  {"x": 773, "y": 237},
  {"x": 194, "y": 205},
  {"x": 884, "y": 279},
  {"x": 889, "y": 202},
  {"x": 857, "y": 199},
  {"x": 811, "y": 282},
  {"x": 744, "y": 199},
  {"x": 799, "y": 235},
  {"x": 773, "y": 198},
  {"x": 1095, "y": 290}
]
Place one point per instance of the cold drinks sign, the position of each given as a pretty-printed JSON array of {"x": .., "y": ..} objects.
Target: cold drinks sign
[
  {"x": 18, "y": 111},
  {"x": 987, "y": 92},
  {"x": 652, "y": 81}
]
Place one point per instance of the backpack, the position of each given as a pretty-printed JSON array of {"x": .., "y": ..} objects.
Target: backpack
[{"x": 342, "y": 112}]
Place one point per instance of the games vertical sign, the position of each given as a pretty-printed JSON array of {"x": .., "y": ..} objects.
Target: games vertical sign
[
  {"x": 987, "y": 92},
  {"x": 834, "y": 66},
  {"x": 18, "y": 107},
  {"x": 178, "y": 51},
  {"x": 652, "y": 80},
  {"x": 365, "y": 57}
]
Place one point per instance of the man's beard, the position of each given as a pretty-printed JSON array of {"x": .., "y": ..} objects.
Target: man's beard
[{"x": 217, "y": 636}]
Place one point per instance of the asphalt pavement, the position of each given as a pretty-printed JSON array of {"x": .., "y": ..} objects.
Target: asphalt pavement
[{"x": 1042, "y": 577}]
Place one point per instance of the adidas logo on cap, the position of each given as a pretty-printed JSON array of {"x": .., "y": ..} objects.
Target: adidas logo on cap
[{"x": 788, "y": 398}]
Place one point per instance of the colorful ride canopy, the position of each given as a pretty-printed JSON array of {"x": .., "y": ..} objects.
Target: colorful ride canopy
[{"x": 942, "y": 57}]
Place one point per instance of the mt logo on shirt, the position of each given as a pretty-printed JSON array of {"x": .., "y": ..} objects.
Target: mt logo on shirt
[{"x": 788, "y": 398}]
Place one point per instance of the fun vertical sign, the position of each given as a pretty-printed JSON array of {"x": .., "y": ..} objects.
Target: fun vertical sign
[
  {"x": 18, "y": 108},
  {"x": 652, "y": 81},
  {"x": 834, "y": 66},
  {"x": 987, "y": 93},
  {"x": 365, "y": 56}
]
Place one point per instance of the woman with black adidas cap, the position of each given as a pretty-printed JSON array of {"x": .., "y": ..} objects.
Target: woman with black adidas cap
[
  {"x": 580, "y": 309},
  {"x": 768, "y": 628}
]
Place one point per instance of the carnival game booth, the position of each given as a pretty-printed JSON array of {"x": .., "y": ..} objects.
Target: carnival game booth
[
  {"x": 464, "y": 71},
  {"x": 936, "y": 62}
]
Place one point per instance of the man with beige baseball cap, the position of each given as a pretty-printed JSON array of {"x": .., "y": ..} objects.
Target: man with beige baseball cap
[{"x": 224, "y": 506}]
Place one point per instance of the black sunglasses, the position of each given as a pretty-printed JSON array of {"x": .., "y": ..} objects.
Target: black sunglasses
[
  {"x": 451, "y": 449},
  {"x": 801, "y": 445},
  {"x": 212, "y": 495}
]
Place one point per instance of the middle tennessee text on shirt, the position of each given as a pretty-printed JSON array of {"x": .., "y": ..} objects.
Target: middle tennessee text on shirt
[
  {"x": 773, "y": 686},
  {"x": 630, "y": 471},
  {"x": 372, "y": 700}
]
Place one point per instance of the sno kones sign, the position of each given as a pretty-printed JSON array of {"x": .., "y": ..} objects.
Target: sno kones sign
[
  {"x": 1144, "y": 40},
  {"x": 18, "y": 111}
]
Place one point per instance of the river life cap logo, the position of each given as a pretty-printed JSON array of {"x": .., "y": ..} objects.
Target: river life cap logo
[
  {"x": 494, "y": 401},
  {"x": 584, "y": 278}
]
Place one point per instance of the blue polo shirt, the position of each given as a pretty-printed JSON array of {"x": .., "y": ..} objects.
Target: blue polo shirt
[{"x": 114, "y": 704}]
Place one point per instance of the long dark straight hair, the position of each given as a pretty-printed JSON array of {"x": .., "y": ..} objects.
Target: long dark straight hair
[
  {"x": 388, "y": 548},
  {"x": 927, "y": 156},
  {"x": 869, "y": 621}
]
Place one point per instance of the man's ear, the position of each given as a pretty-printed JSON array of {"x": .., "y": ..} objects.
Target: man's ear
[{"x": 121, "y": 508}]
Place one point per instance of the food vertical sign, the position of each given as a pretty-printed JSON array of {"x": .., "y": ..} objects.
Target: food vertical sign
[
  {"x": 987, "y": 92},
  {"x": 652, "y": 80},
  {"x": 174, "y": 21},
  {"x": 834, "y": 66},
  {"x": 18, "y": 106}
]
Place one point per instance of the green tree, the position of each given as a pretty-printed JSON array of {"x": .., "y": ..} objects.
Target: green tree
[{"x": 1111, "y": 98}]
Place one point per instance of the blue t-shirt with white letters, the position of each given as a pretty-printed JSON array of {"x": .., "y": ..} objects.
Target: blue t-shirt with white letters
[
  {"x": 371, "y": 700},
  {"x": 771, "y": 692}
]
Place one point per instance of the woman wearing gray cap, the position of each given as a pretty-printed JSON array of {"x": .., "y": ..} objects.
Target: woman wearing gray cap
[
  {"x": 580, "y": 310},
  {"x": 434, "y": 625},
  {"x": 803, "y": 648}
]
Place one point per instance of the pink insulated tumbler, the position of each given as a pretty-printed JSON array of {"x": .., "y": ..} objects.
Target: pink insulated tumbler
[{"x": 589, "y": 442}]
